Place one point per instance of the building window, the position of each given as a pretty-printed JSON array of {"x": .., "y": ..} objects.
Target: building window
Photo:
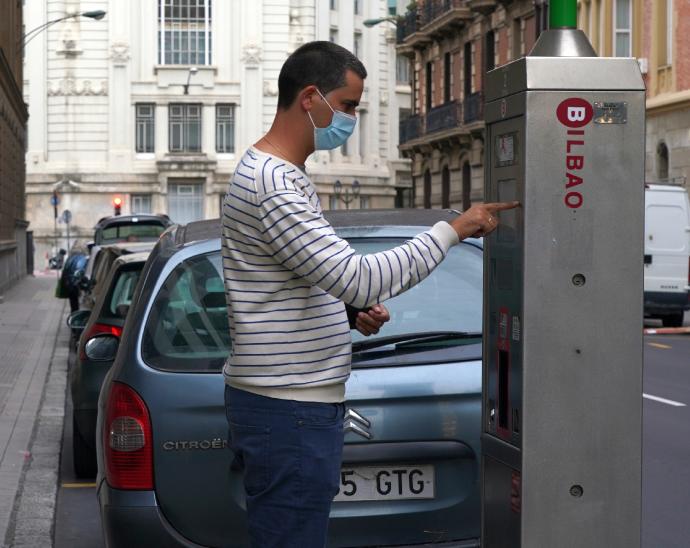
[
  {"x": 145, "y": 125},
  {"x": 662, "y": 161},
  {"x": 445, "y": 188},
  {"x": 184, "y": 32},
  {"x": 334, "y": 4},
  {"x": 466, "y": 186},
  {"x": 446, "y": 77},
  {"x": 402, "y": 70},
  {"x": 490, "y": 51},
  {"x": 358, "y": 7},
  {"x": 184, "y": 121},
  {"x": 622, "y": 28},
  {"x": 333, "y": 36},
  {"x": 333, "y": 202},
  {"x": 541, "y": 13},
  {"x": 664, "y": 38},
  {"x": 225, "y": 128},
  {"x": 427, "y": 189},
  {"x": 141, "y": 203},
  {"x": 429, "y": 80},
  {"x": 185, "y": 202},
  {"x": 364, "y": 202},
  {"x": 358, "y": 45},
  {"x": 467, "y": 72},
  {"x": 404, "y": 197}
]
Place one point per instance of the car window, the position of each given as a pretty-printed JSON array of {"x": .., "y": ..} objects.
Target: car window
[
  {"x": 119, "y": 299},
  {"x": 188, "y": 329},
  {"x": 450, "y": 299},
  {"x": 136, "y": 232}
]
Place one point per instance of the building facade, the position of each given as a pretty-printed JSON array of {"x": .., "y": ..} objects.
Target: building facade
[
  {"x": 156, "y": 103},
  {"x": 451, "y": 44},
  {"x": 657, "y": 32},
  {"x": 13, "y": 119}
]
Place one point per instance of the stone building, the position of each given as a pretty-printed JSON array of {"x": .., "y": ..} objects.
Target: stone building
[
  {"x": 13, "y": 118},
  {"x": 156, "y": 102},
  {"x": 451, "y": 44},
  {"x": 657, "y": 32}
]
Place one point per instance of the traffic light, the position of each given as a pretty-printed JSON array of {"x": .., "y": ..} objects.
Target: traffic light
[{"x": 117, "y": 204}]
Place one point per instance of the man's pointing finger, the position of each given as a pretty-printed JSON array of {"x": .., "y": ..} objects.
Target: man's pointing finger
[{"x": 502, "y": 206}]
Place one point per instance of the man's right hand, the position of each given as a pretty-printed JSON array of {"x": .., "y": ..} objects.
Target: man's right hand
[{"x": 480, "y": 219}]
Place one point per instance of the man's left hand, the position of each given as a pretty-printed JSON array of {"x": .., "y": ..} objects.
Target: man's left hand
[{"x": 369, "y": 323}]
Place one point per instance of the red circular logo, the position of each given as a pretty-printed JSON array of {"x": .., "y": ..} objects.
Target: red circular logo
[{"x": 575, "y": 112}]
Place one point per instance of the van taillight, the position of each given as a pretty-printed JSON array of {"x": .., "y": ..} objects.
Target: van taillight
[
  {"x": 127, "y": 440},
  {"x": 97, "y": 329}
]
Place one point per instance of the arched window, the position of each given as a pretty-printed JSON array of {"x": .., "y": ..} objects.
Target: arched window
[
  {"x": 466, "y": 186},
  {"x": 427, "y": 189},
  {"x": 445, "y": 188},
  {"x": 662, "y": 161}
]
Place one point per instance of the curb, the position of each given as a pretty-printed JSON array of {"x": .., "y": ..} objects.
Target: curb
[
  {"x": 667, "y": 331},
  {"x": 33, "y": 516}
]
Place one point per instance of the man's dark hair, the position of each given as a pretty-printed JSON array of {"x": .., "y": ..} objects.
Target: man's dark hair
[{"x": 322, "y": 64}]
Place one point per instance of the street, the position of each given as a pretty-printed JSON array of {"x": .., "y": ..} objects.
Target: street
[{"x": 666, "y": 476}]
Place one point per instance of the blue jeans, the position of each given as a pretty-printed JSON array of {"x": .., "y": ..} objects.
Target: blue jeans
[{"x": 291, "y": 453}]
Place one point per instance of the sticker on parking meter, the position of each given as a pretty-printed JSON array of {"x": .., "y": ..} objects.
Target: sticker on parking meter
[{"x": 611, "y": 113}]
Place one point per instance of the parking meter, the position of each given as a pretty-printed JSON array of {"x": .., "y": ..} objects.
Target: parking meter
[{"x": 563, "y": 306}]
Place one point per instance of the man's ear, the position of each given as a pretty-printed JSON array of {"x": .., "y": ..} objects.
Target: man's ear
[{"x": 306, "y": 97}]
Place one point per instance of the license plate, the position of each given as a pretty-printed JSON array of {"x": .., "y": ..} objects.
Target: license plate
[{"x": 360, "y": 483}]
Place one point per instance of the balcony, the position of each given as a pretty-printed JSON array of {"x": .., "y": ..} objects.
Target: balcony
[
  {"x": 474, "y": 108},
  {"x": 439, "y": 18},
  {"x": 446, "y": 116},
  {"x": 410, "y": 128},
  {"x": 485, "y": 7}
]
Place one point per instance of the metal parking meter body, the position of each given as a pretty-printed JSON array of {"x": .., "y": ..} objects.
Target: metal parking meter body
[{"x": 562, "y": 400}]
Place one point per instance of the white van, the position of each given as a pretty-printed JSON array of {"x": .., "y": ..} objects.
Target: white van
[{"x": 666, "y": 253}]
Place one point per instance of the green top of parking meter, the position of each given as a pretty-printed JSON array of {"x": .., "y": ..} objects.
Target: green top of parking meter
[{"x": 563, "y": 14}]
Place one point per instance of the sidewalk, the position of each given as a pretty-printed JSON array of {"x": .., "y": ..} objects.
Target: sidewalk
[{"x": 30, "y": 322}]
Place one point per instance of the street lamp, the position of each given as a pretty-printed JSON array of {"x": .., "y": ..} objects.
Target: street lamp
[
  {"x": 373, "y": 22},
  {"x": 351, "y": 192},
  {"x": 95, "y": 14},
  {"x": 192, "y": 70}
]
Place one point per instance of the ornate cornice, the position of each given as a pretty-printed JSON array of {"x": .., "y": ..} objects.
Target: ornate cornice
[{"x": 72, "y": 86}]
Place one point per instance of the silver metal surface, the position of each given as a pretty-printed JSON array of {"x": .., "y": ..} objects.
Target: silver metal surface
[
  {"x": 563, "y": 43},
  {"x": 562, "y": 401}
]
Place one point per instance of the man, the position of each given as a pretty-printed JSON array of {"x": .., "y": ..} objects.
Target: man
[{"x": 288, "y": 278}]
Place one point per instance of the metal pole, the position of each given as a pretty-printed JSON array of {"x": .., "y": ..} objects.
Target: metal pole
[{"x": 563, "y": 14}]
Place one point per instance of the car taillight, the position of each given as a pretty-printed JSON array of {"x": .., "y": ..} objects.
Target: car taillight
[
  {"x": 97, "y": 329},
  {"x": 127, "y": 440}
]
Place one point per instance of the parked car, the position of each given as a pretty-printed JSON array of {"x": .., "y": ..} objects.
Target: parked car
[
  {"x": 667, "y": 254},
  {"x": 130, "y": 228},
  {"x": 99, "y": 265},
  {"x": 88, "y": 370},
  {"x": 412, "y": 453}
]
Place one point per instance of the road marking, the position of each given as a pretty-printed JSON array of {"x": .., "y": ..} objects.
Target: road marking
[
  {"x": 664, "y": 400},
  {"x": 77, "y": 485},
  {"x": 659, "y": 345}
]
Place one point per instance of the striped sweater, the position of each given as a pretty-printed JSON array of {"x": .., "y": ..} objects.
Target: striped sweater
[{"x": 287, "y": 277}]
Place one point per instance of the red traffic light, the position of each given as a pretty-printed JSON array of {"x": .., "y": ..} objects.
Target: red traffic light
[{"x": 117, "y": 204}]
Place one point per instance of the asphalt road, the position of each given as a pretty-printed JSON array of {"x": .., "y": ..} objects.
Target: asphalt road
[{"x": 666, "y": 474}]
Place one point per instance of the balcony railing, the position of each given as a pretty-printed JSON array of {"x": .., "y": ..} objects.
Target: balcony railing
[
  {"x": 446, "y": 116},
  {"x": 433, "y": 9},
  {"x": 410, "y": 128},
  {"x": 474, "y": 107}
]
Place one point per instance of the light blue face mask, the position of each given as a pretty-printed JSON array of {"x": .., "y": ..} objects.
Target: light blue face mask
[{"x": 337, "y": 132}]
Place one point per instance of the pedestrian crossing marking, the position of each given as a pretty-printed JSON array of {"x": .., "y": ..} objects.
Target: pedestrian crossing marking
[{"x": 663, "y": 400}]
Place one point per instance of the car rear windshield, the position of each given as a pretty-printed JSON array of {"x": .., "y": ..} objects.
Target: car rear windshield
[
  {"x": 136, "y": 232},
  {"x": 187, "y": 329},
  {"x": 119, "y": 298}
]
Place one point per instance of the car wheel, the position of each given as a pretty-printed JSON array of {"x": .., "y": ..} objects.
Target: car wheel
[
  {"x": 83, "y": 456},
  {"x": 672, "y": 320}
]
